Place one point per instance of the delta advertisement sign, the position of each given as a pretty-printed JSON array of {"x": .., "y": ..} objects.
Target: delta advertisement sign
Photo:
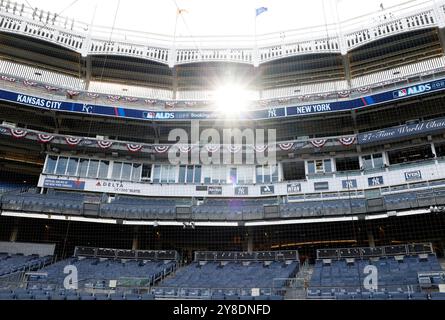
[{"x": 118, "y": 187}]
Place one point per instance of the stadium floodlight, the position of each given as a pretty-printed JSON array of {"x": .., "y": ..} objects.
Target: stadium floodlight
[{"x": 232, "y": 99}]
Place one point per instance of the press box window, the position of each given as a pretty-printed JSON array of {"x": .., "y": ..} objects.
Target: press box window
[
  {"x": 245, "y": 175},
  {"x": 116, "y": 173},
  {"x": 61, "y": 165},
  {"x": 347, "y": 164},
  {"x": 136, "y": 173},
  {"x": 410, "y": 154},
  {"x": 156, "y": 173},
  {"x": 373, "y": 161},
  {"x": 146, "y": 172},
  {"x": 168, "y": 174},
  {"x": 51, "y": 163},
  {"x": 103, "y": 169},
  {"x": 319, "y": 166},
  {"x": 293, "y": 171},
  {"x": 83, "y": 167},
  {"x": 126, "y": 171},
  {"x": 440, "y": 149},
  {"x": 71, "y": 170},
  {"x": 93, "y": 168},
  {"x": 266, "y": 174},
  {"x": 189, "y": 174}
]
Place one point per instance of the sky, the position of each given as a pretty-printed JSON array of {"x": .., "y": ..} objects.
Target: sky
[{"x": 210, "y": 17}]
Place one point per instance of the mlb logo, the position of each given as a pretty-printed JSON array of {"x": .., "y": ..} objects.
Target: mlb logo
[
  {"x": 401, "y": 93},
  {"x": 150, "y": 115}
]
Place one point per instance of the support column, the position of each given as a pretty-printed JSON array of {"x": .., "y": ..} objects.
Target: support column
[
  {"x": 441, "y": 34},
  {"x": 342, "y": 44},
  {"x": 248, "y": 241},
  {"x": 15, "y": 231},
  {"x": 135, "y": 244},
  {"x": 385, "y": 159},
  {"x": 172, "y": 57},
  {"x": 347, "y": 68},
  {"x": 371, "y": 240},
  {"x": 88, "y": 72},
  {"x": 175, "y": 83},
  {"x": 433, "y": 149},
  {"x": 439, "y": 14}
]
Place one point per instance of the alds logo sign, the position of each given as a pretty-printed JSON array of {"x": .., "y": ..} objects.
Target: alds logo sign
[
  {"x": 159, "y": 115},
  {"x": 412, "y": 91}
]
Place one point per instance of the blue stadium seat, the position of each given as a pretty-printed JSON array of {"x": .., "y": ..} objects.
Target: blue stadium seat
[
  {"x": 438, "y": 296},
  {"x": 418, "y": 296}
]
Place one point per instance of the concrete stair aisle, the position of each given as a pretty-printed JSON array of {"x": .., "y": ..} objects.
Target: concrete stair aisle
[
  {"x": 297, "y": 288},
  {"x": 442, "y": 263}
]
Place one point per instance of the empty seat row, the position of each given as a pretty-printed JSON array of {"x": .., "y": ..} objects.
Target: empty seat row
[
  {"x": 192, "y": 280},
  {"x": 54, "y": 295},
  {"x": 347, "y": 276}
]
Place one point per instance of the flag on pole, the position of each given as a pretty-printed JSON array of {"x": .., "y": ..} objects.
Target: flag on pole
[{"x": 260, "y": 10}]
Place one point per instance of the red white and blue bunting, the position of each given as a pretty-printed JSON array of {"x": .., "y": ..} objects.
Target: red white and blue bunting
[
  {"x": 234, "y": 148},
  {"x": 131, "y": 99},
  {"x": 170, "y": 104},
  {"x": 29, "y": 83},
  {"x": 113, "y": 98},
  {"x": 284, "y": 100},
  {"x": 347, "y": 141},
  {"x": 51, "y": 88},
  {"x": 286, "y": 146},
  {"x": 319, "y": 143},
  {"x": 73, "y": 93},
  {"x": 45, "y": 138},
  {"x": 260, "y": 148},
  {"x": 149, "y": 101},
  {"x": 73, "y": 141},
  {"x": 18, "y": 133},
  {"x": 263, "y": 103},
  {"x": 104, "y": 144},
  {"x": 134, "y": 147},
  {"x": 344, "y": 94},
  {"x": 363, "y": 89},
  {"x": 93, "y": 95},
  {"x": 5, "y": 78},
  {"x": 161, "y": 149},
  {"x": 212, "y": 148},
  {"x": 185, "y": 148}
]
